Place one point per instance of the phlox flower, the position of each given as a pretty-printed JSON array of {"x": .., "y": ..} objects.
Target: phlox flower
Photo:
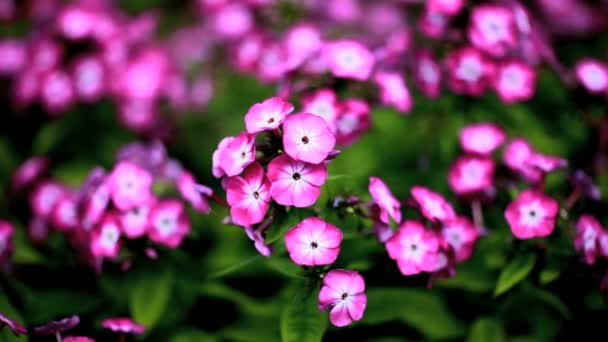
[
  {"x": 532, "y": 214},
  {"x": 295, "y": 182},
  {"x": 460, "y": 234},
  {"x": 130, "y": 185},
  {"x": 492, "y": 29},
  {"x": 432, "y": 205},
  {"x": 6, "y": 241},
  {"x": 427, "y": 73},
  {"x": 28, "y": 172},
  {"x": 588, "y": 234},
  {"x": 235, "y": 154},
  {"x": 433, "y": 24},
  {"x": 471, "y": 175},
  {"x": 307, "y": 138},
  {"x": 169, "y": 224},
  {"x": 592, "y": 74},
  {"x": 352, "y": 121},
  {"x": 267, "y": 115},
  {"x": 12, "y": 56},
  {"x": 123, "y": 325},
  {"x": 56, "y": 91},
  {"x": 89, "y": 76},
  {"x": 414, "y": 248},
  {"x": 313, "y": 242},
  {"x": 64, "y": 216},
  {"x": 323, "y": 103},
  {"x": 348, "y": 59},
  {"x": 58, "y": 326},
  {"x": 13, "y": 325},
  {"x": 134, "y": 222},
  {"x": 44, "y": 198},
  {"x": 194, "y": 193},
  {"x": 393, "y": 91},
  {"x": 469, "y": 71},
  {"x": 248, "y": 195},
  {"x": 383, "y": 197},
  {"x": 481, "y": 138},
  {"x": 77, "y": 339},
  {"x": 105, "y": 237},
  {"x": 450, "y": 7},
  {"x": 343, "y": 291},
  {"x": 515, "y": 81}
]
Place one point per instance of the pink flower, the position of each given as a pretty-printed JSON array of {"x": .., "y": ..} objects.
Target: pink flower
[
  {"x": 232, "y": 20},
  {"x": 471, "y": 175},
  {"x": 348, "y": 59},
  {"x": 28, "y": 172},
  {"x": 196, "y": 194},
  {"x": 492, "y": 29},
  {"x": 123, "y": 325},
  {"x": 78, "y": 339},
  {"x": 521, "y": 157},
  {"x": 95, "y": 204},
  {"x": 130, "y": 185},
  {"x": 393, "y": 91},
  {"x": 588, "y": 234},
  {"x": 469, "y": 71},
  {"x": 6, "y": 241},
  {"x": 144, "y": 75},
  {"x": 516, "y": 153},
  {"x": 532, "y": 214},
  {"x": 12, "y": 56},
  {"x": 592, "y": 74},
  {"x": 135, "y": 221},
  {"x": 13, "y": 325},
  {"x": 89, "y": 77},
  {"x": 323, "y": 103},
  {"x": 313, "y": 242},
  {"x": 248, "y": 196},
  {"x": 450, "y": 7},
  {"x": 295, "y": 182},
  {"x": 460, "y": 234},
  {"x": 105, "y": 238},
  {"x": 414, "y": 248},
  {"x": 433, "y": 24},
  {"x": 65, "y": 214},
  {"x": 56, "y": 91},
  {"x": 267, "y": 115},
  {"x": 236, "y": 154},
  {"x": 427, "y": 74},
  {"x": 432, "y": 205},
  {"x": 353, "y": 120},
  {"x": 383, "y": 197},
  {"x": 344, "y": 292},
  {"x": 44, "y": 198},
  {"x": 481, "y": 138},
  {"x": 307, "y": 138},
  {"x": 76, "y": 22},
  {"x": 168, "y": 223},
  {"x": 515, "y": 81}
]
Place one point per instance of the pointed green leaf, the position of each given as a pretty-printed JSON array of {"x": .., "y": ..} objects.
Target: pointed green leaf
[
  {"x": 486, "y": 329},
  {"x": 150, "y": 296},
  {"x": 301, "y": 320},
  {"x": 515, "y": 271}
]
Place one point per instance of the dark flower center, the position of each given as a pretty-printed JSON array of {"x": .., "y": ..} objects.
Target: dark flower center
[
  {"x": 305, "y": 140},
  {"x": 243, "y": 155},
  {"x": 296, "y": 176},
  {"x": 314, "y": 245},
  {"x": 271, "y": 120},
  {"x": 533, "y": 213},
  {"x": 256, "y": 195},
  {"x": 344, "y": 295},
  {"x": 413, "y": 248}
]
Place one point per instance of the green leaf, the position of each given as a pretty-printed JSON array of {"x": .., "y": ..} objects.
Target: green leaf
[
  {"x": 548, "y": 298},
  {"x": 486, "y": 329},
  {"x": 192, "y": 335},
  {"x": 301, "y": 320},
  {"x": 25, "y": 253},
  {"x": 420, "y": 309},
  {"x": 470, "y": 276},
  {"x": 248, "y": 305},
  {"x": 150, "y": 296},
  {"x": 515, "y": 271},
  {"x": 231, "y": 269},
  {"x": 49, "y": 136},
  {"x": 549, "y": 274},
  {"x": 42, "y": 305}
]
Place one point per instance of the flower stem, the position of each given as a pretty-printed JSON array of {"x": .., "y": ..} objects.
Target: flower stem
[
  {"x": 58, "y": 336},
  {"x": 122, "y": 337},
  {"x": 478, "y": 217},
  {"x": 573, "y": 198}
]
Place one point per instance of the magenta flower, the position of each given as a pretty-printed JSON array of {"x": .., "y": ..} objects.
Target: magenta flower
[
  {"x": 471, "y": 175},
  {"x": 593, "y": 75},
  {"x": 323, "y": 103},
  {"x": 521, "y": 157},
  {"x": 348, "y": 59},
  {"x": 353, "y": 119},
  {"x": 383, "y": 197},
  {"x": 12, "y": 56},
  {"x": 45, "y": 196},
  {"x": 56, "y": 91},
  {"x": 469, "y": 71},
  {"x": 144, "y": 75},
  {"x": 515, "y": 81},
  {"x": 432, "y": 205},
  {"x": 516, "y": 153},
  {"x": 427, "y": 74},
  {"x": 28, "y": 172},
  {"x": 313, "y": 242},
  {"x": 78, "y": 339},
  {"x": 295, "y": 182},
  {"x": 59, "y": 326},
  {"x": 248, "y": 196},
  {"x": 95, "y": 204},
  {"x": 302, "y": 41},
  {"x": 307, "y": 138},
  {"x": 492, "y": 29},
  {"x": 344, "y": 292},
  {"x": 481, "y": 138},
  {"x": 6, "y": 240},
  {"x": 450, "y": 7},
  {"x": 105, "y": 238},
  {"x": 65, "y": 214},
  {"x": 169, "y": 223},
  {"x": 134, "y": 222},
  {"x": 236, "y": 154},
  {"x": 460, "y": 234},
  {"x": 13, "y": 325},
  {"x": 123, "y": 325},
  {"x": 267, "y": 115},
  {"x": 393, "y": 91},
  {"x": 196, "y": 194},
  {"x": 588, "y": 234},
  {"x": 414, "y": 248},
  {"x": 433, "y": 24},
  {"x": 532, "y": 214},
  {"x": 90, "y": 78},
  {"x": 130, "y": 185}
]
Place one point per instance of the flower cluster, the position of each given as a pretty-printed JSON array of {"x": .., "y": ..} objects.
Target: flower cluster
[{"x": 110, "y": 206}]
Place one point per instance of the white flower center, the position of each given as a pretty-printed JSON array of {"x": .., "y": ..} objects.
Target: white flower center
[
  {"x": 532, "y": 214},
  {"x": 469, "y": 69}
]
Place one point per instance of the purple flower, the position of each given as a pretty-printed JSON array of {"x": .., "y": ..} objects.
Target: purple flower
[
  {"x": 15, "y": 327},
  {"x": 54, "y": 327}
]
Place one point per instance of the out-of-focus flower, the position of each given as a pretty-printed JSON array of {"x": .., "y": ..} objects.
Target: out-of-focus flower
[
  {"x": 481, "y": 138},
  {"x": 169, "y": 223},
  {"x": 470, "y": 175},
  {"x": 323, "y": 103},
  {"x": 432, "y": 205},
  {"x": 414, "y": 248},
  {"x": 393, "y": 91},
  {"x": 6, "y": 241},
  {"x": 13, "y": 325},
  {"x": 515, "y": 81},
  {"x": 54, "y": 327},
  {"x": 469, "y": 71},
  {"x": 593, "y": 75},
  {"x": 587, "y": 240},
  {"x": 105, "y": 238},
  {"x": 123, "y": 325},
  {"x": 352, "y": 121},
  {"x": 348, "y": 59},
  {"x": 460, "y": 234},
  {"x": 383, "y": 197},
  {"x": 532, "y": 214},
  {"x": 130, "y": 185},
  {"x": 492, "y": 29}
]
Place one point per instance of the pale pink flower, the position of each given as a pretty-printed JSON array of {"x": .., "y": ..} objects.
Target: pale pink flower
[
  {"x": 295, "y": 182},
  {"x": 144, "y": 76},
  {"x": 344, "y": 292},
  {"x": 306, "y": 137},
  {"x": 348, "y": 59},
  {"x": 64, "y": 216},
  {"x": 56, "y": 91},
  {"x": 383, "y": 197},
  {"x": 130, "y": 185},
  {"x": 44, "y": 198},
  {"x": 393, "y": 91},
  {"x": 267, "y": 115},
  {"x": 532, "y": 214},
  {"x": 28, "y": 172},
  {"x": 301, "y": 42},
  {"x": 76, "y": 22},
  {"x": 593, "y": 75},
  {"x": 123, "y": 325},
  {"x": 432, "y": 205},
  {"x": 248, "y": 196},
  {"x": 427, "y": 73},
  {"x": 470, "y": 175},
  {"x": 450, "y": 7},
  {"x": 313, "y": 242},
  {"x": 323, "y": 103},
  {"x": 89, "y": 78},
  {"x": 481, "y": 138},
  {"x": 232, "y": 20},
  {"x": 515, "y": 81},
  {"x": 433, "y": 24},
  {"x": 196, "y": 194},
  {"x": 6, "y": 240},
  {"x": 588, "y": 236},
  {"x": 414, "y": 248},
  {"x": 469, "y": 71},
  {"x": 460, "y": 234},
  {"x": 135, "y": 221},
  {"x": 352, "y": 121},
  {"x": 105, "y": 238},
  {"x": 217, "y": 170},
  {"x": 169, "y": 223},
  {"x": 236, "y": 154},
  {"x": 12, "y": 56},
  {"x": 492, "y": 29}
]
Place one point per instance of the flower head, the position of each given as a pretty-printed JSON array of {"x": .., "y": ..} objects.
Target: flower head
[
  {"x": 169, "y": 223},
  {"x": 45, "y": 196},
  {"x": 13, "y": 325},
  {"x": 248, "y": 195},
  {"x": 130, "y": 185},
  {"x": 492, "y": 29},
  {"x": 344, "y": 292},
  {"x": 383, "y": 197},
  {"x": 469, "y": 71},
  {"x": 313, "y": 242},
  {"x": 105, "y": 238},
  {"x": 196, "y": 194},
  {"x": 6, "y": 240},
  {"x": 236, "y": 154},
  {"x": 295, "y": 182},
  {"x": 123, "y": 325},
  {"x": 393, "y": 91},
  {"x": 460, "y": 234},
  {"x": 348, "y": 59},
  {"x": 471, "y": 175},
  {"x": 593, "y": 75},
  {"x": 353, "y": 119},
  {"x": 134, "y": 222},
  {"x": 515, "y": 81},
  {"x": 532, "y": 214},
  {"x": 414, "y": 248},
  {"x": 28, "y": 172},
  {"x": 427, "y": 74},
  {"x": 432, "y": 205},
  {"x": 54, "y": 327},
  {"x": 307, "y": 138},
  {"x": 323, "y": 103},
  {"x": 588, "y": 236},
  {"x": 267, "y": 115}
]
